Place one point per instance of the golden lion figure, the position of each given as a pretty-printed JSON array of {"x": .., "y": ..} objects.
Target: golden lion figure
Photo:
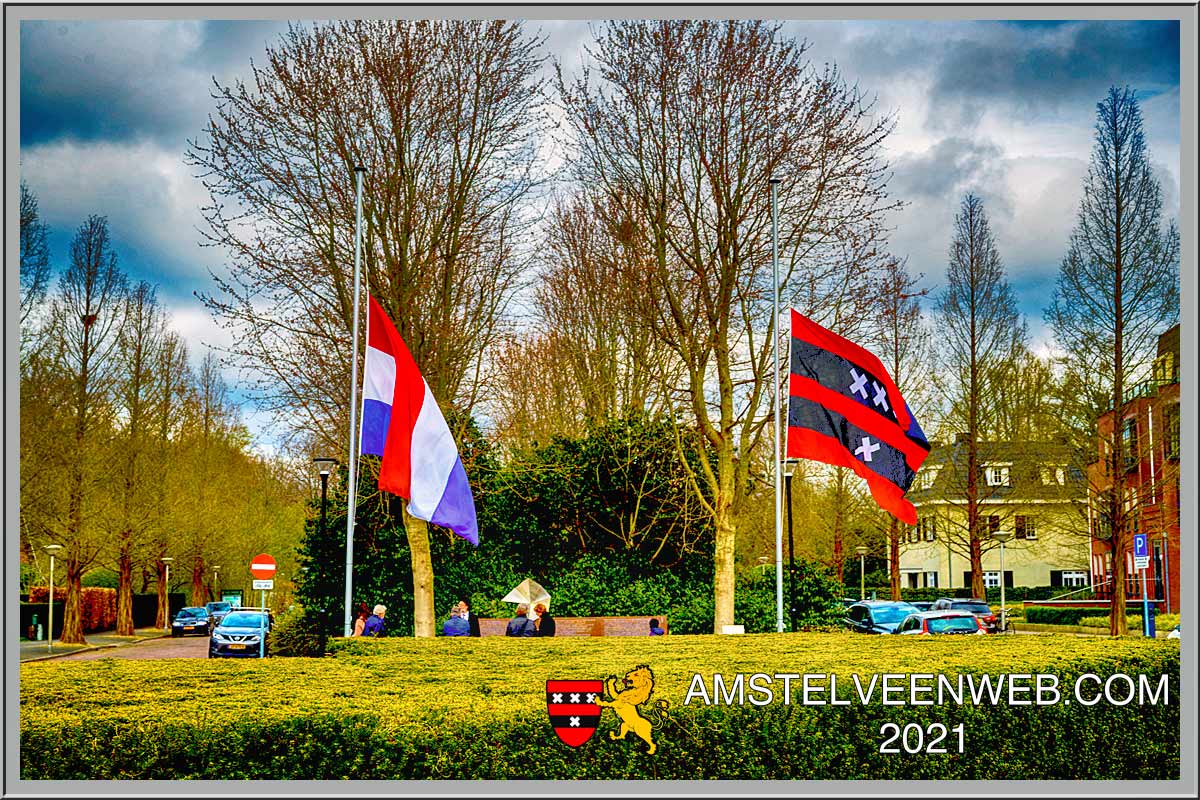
[{"x": 639, "y": 683}]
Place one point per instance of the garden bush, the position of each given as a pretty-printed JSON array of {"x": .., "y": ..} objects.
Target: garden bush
[
  {"x": 98, "y": 605},
  {"x": 298, "y": 632},
  {"x": 390, "y": 709}
]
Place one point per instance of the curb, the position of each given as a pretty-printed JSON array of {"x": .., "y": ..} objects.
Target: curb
[{"x": 90, "y": 648}]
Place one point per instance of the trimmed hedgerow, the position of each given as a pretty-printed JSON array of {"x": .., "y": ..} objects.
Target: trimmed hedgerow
[{"x": 474, "y": 709}]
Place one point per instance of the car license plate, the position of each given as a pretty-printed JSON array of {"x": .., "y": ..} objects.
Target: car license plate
[
  {"x": 188, "y": 627},
  {"x": 237, "y": 647}
]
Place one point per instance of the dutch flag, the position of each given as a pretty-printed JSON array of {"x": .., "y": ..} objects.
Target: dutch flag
[{"x": 402, "y": 423}]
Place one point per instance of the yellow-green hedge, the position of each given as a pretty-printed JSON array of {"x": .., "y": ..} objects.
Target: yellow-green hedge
[{"x": 475, "y": 708}]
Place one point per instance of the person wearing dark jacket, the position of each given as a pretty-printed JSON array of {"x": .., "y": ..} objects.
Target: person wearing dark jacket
[
  {"x": 521, "y": 624},
  {"x": 464, "y": 611},
  {"x": 545, "y": 622},
  {"x": 374, "y": 626}
]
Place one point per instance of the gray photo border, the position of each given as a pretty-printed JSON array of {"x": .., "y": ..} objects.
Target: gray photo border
[{"x": 1186, "y": 786}]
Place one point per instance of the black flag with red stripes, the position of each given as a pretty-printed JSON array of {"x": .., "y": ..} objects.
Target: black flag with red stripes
[{"x": 844, "y": 409}]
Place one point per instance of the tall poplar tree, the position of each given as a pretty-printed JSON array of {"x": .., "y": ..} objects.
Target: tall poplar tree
[{"x": 1117, "y": 289}]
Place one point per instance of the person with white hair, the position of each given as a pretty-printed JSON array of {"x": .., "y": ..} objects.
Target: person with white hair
[{"x": 374, "y": 626}]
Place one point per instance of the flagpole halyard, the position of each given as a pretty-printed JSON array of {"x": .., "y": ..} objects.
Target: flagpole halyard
[
  {"x": 353, "y": 477},
  {"x": 775, "y": 377}
]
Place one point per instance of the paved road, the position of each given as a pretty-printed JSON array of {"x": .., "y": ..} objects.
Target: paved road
[{"x": 168, "y": 647}]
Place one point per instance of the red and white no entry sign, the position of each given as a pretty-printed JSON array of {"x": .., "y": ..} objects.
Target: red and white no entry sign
[{"x": 262, "y": 566}]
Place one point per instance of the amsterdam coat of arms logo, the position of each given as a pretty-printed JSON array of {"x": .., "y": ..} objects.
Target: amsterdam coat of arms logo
[{"x": 575, "y": 707}]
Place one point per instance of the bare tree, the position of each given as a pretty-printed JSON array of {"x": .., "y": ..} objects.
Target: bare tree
[
  {"x": 35, "y": 255},
  {"x": 981, "y": 332},
  {"x": 1118, "y": 287},
  {"x": 679, "y": 135},
  {"x": 442, "y": 114},
  {"x": 906, "y": 348},
  {"x": 86, "y": 316},
  {"x": 138, "y": 343}
]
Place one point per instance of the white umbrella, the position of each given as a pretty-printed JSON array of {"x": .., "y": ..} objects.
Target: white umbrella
[{"x": 529, "y": 592}]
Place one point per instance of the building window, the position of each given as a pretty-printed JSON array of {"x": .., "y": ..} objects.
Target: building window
[
  {"x": 993, "y": 524},
  {"x": 1129, "y": 443},
  {"x": 1026, "y": 528},
  {"x": 997, "y": 474},
  {"x": 991, "y": 580},
  {"x": 1074, "y": 578},
  {"x": 931, "y": 580},
  {"x": 914, "y": 535},
  {"x": 927, "y": 477},
  {"x": 1171, "y": 440},
  {"x": 1054, "y": 475},
  {"x": 927, "y": 528}
]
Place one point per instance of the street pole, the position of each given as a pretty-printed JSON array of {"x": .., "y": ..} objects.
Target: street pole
[
  {"x": 862, "y": 571},
  {"x": 791, "y": 552},
  {"x": 167, "y": 594},
  {"x": 353, "y": 477},
  {"x": 775, "y": 377},
  {"x": 1002, "y": 537},
  {"x": 51, "y": 549},
  {"x": 1145, "y": 605}
]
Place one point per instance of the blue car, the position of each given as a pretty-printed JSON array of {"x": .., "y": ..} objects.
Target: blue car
[
  {"x": 876, "y": 616},
  {"x": 193, "y": 619},
  {"x": 241, "y": 634}
]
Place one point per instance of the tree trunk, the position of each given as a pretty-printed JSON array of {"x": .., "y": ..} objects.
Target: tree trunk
[
  {"x": 198, "y": 581},
  {"x": 724, "y": 581},
  {"x": 72, "y": 631},
  {"x": 894, "y": 557},
  {"x": 163, "y": 616},
  {"x": 125, "y": 588},
  {"x": 417, "y": 531}
]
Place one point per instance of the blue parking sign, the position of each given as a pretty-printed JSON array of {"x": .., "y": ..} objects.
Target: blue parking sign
[{"x": 1141, "y": 546}]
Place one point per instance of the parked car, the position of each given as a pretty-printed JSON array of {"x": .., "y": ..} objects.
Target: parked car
[
  {"x": 922, "y": 605},
  {"x": 978, "y": 607},
  {"x": 217, "y": 610},
  {"x": 193, "y": 619},
  {"x": 241, "y": 635},
  {"x": 928, "y": 623},
  {"x": 876, "y": 616}
]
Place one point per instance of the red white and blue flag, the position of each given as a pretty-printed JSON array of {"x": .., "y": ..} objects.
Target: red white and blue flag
[
  {"x": 402, "y": 423},
  {"x": 844, "y": 409}
]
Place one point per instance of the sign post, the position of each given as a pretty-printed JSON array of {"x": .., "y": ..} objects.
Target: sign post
[
  {"x": 1141, "y": 560},
  {"x": 262, "y": 567}
]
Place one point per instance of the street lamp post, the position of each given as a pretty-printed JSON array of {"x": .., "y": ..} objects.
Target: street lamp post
[
  {"x": 862, "y": 574},
  {"x": 167, "y": 593},
  {"x": 216, "y": 585},
  {"x": 51, "y": 549},
  {"x": 1002, "y": 537},
  {"x": 325, "y": 465}
]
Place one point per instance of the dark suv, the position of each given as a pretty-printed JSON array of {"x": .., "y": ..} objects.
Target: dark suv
[
  {"x": 877, "y": 616},
  {"x": 217, "y": 610},
  {"x": 978, "y": 607}
]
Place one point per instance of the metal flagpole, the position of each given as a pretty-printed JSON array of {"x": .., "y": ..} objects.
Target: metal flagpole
[
  {"x": 358, "y": 176},
  {"x": 775, "y": 375}
]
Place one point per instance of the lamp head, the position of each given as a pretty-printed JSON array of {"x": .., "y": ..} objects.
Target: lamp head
[
  {"x": 52, "y": 549},
  {"x": 862, "y": 551},
  {"x": 325, "y": 465}
]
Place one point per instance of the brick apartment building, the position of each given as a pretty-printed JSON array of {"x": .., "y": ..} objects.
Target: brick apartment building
[{"x": 1149, "y": 430}]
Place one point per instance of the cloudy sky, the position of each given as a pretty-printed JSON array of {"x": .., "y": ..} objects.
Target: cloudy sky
[{"x": 1005, "y": 109}]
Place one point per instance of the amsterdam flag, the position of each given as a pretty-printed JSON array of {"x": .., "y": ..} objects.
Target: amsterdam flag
[{"x": 844, "y": 409}]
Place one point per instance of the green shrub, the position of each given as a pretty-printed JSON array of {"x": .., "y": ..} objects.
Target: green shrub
[
  {"x": 297, "y": 632},
  {"x": 390, "y": 709},
  {"x": 1046, "y": 615}
]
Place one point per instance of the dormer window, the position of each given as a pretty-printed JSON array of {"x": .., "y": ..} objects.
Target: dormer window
[
  {"x": 1054, "y": 475},
  {"x": 997, "y": 474}
]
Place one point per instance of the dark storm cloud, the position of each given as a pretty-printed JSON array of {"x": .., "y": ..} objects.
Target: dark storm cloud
[
  {"x": 128, "y": 80},
  {"x": 1067, "y": 64}
]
